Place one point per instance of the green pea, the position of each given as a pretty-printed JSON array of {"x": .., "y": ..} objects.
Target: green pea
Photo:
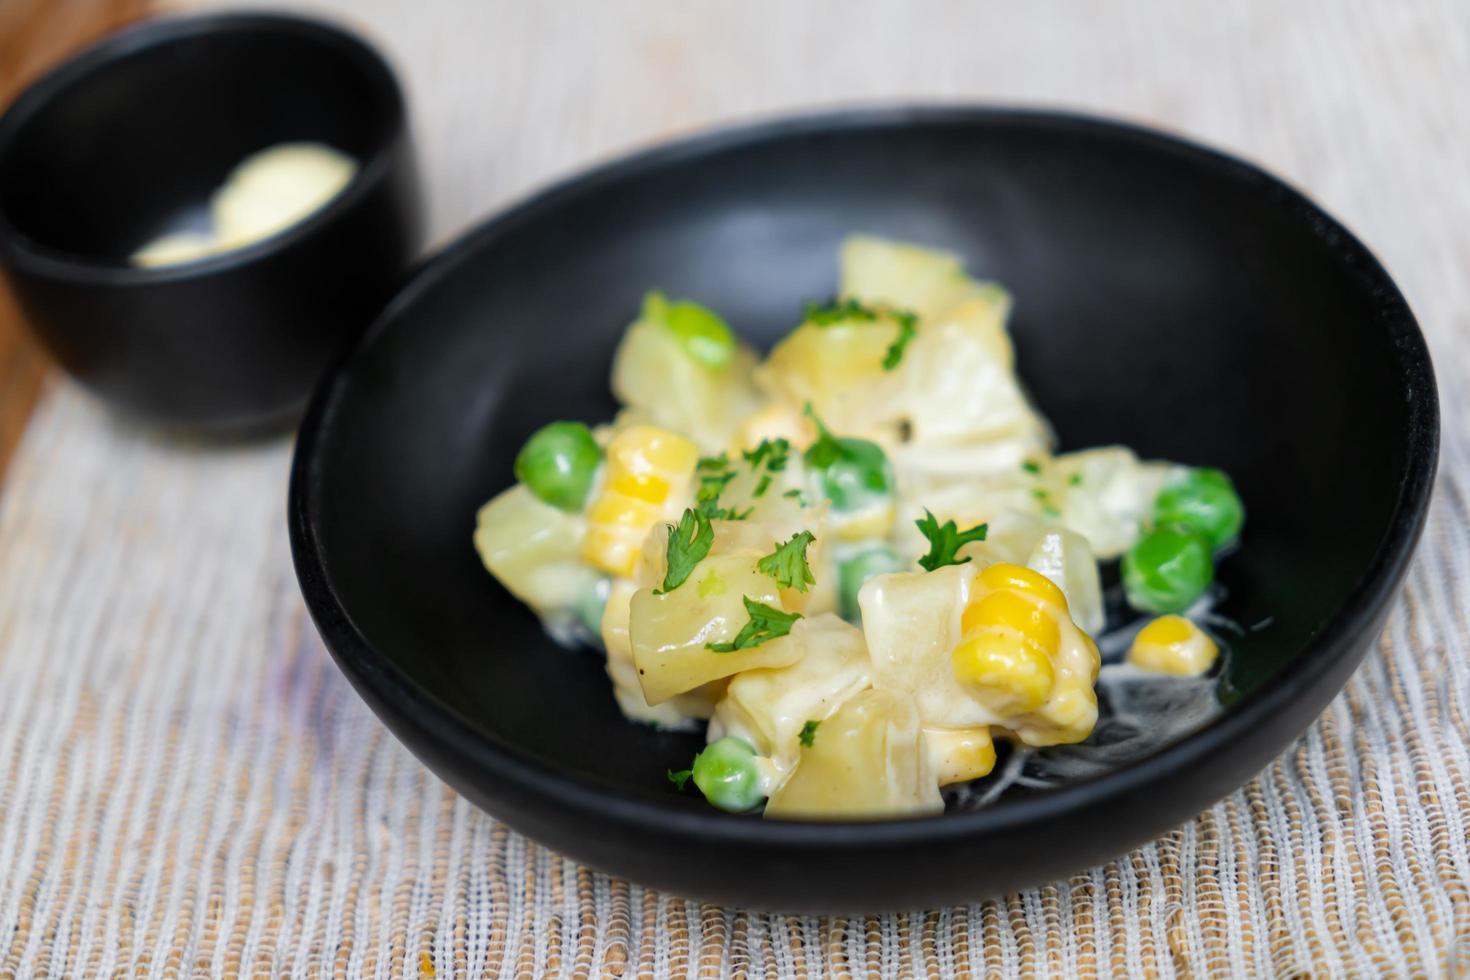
[
  {"x": 1203, "y": 500},
  {"x": 558, "y": 464},
  {"x": 852, "y": 573},
  {"x": 1167, "y": 570},
  {"x": 726, "y": 774},
  {"x": 858, "y": 476},
  {"x": 703, "y": 334}
]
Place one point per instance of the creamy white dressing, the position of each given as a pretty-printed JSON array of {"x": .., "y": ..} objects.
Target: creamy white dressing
[{"x": 268, "y": 192}]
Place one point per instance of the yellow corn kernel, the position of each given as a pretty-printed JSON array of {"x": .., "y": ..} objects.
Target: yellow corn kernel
[
  {"x": 653, "y": 489},
  {"x": 1003, "y": 670},
  {"x": 648, "y": 472},
  {"x": 1016, "y": 611},
  {"x": 1022, "y": 579},
  {"x": 613, "y": 510},
  {"x": 958, "y": 755},
  {"x": 642, "y": 449},
  {"x": 1167, "y": 631},
  {"x": 1010, "y": 637},
  {"x": 1173, "y": 645}
]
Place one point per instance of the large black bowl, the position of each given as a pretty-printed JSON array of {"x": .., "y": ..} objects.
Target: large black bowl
[
  {"x": 129, "y": 139},
  {"x": 1167, "y": 296}
]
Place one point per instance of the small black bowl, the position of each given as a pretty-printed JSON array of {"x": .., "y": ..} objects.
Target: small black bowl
[
  {"x": 1167, "y": 296},
  {"x": 129, "y": 139}
]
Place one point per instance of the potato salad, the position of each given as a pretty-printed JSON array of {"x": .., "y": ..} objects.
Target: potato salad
[{"x": 857, "y": 562}]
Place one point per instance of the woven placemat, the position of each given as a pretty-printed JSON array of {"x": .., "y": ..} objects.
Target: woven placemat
[{"x": 188, "y": 786}]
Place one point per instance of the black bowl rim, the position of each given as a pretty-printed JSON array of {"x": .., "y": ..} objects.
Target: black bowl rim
[
  {"x": 23, "y": 252},
  {"x": 509, "y": 765}
]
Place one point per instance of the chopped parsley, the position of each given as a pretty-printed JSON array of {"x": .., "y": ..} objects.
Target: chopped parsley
[
  {"x": 1032, "y": 466},
  {"x": 1075, "y": 480},
  {"x": 1047, "y": 510},
  {"x": 772, "y": 452},
  {"x": 680, "y": 778},
  {"x": 906, "y": 332},
  {"x": 808, "y": 733},
  {"x": 716, "y": 463},
  {"x": 788, "y": 564},
  {"x": 796, "y": 494},
  {"x": 710, "y": 487},
  {"x": 850, "y": 310},
  {"x": 707, "y": 498},
  {"x": 712, "y": 510},
  {"x": 1039, "y": 494},
  {"x": 945, "y": 541},
  {"x": 689, "y": 542},
  {"x": 827, "y": 449},
  {"x": 834, "y": 313},
  {"x": 766, "y": 623}
]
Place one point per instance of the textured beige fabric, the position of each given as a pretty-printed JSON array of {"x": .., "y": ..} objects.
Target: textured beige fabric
[{"x": 187, "y": 785}]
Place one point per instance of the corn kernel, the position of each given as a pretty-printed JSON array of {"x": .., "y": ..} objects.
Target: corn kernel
[
  {"x": 1022, "y": 579},
  {"x": 1005, "y": 672},
  {"x": 1166, "y": 631},
  {"x": 616, "y": 511},
  {"x": 648, "y": 470},
  {"x": 610, "y": 551},
  {"x": 653, "y": 489},
  {"x": 1018, "y": 612},
  {"x": 648, "y": 449},
  {"x": 1173, "y": 645}
]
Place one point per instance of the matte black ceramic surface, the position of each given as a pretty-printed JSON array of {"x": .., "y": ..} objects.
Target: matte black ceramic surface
[
  {"x": 129, "y": 139},
  {"x": 1167, "y": 297}
]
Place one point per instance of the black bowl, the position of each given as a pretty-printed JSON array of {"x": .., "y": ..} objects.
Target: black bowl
[
  {"x": 1167, "y": 296},
  {"x": 129, "y": 138}
]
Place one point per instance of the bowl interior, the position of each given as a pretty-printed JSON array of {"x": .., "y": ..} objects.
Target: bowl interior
[
  {"x": 130, "y": 139},
  {"x": 1165, "y": 298}
]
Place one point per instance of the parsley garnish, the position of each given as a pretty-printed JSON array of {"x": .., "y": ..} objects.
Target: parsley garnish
[
  {"x": 794, "y": 493},
  {"x": 680, "y": 778},
  {"x": 808, "y": 733},
  {"x": 1039, "y": 494},
  {"x": 1032, "y": 467},
  {"x": 772, "y": 452},
  {"x": 1075, "y": 480},
  {"x": 689, "y": 542},
  {"x": 719, "y": 462},
  {"x": 1047, "y": 510},
  {"x": 707, "y": 498},
  {"x": 827, "y": 449},
  {"x": 712, "y": 510},
  {"x": 945, "y": 540},
  {"x": 788, "y": 565},
  {"x": 834, "y": 313},
  {"x": 710, "y": 487},
  {"x": 766, "y": 623},
  {"x": 906, "y": 332},
  {"x": 850, "y": 310}
]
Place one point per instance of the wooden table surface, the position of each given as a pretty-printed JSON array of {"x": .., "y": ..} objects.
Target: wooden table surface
[{"x": 34, "y": 35}]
